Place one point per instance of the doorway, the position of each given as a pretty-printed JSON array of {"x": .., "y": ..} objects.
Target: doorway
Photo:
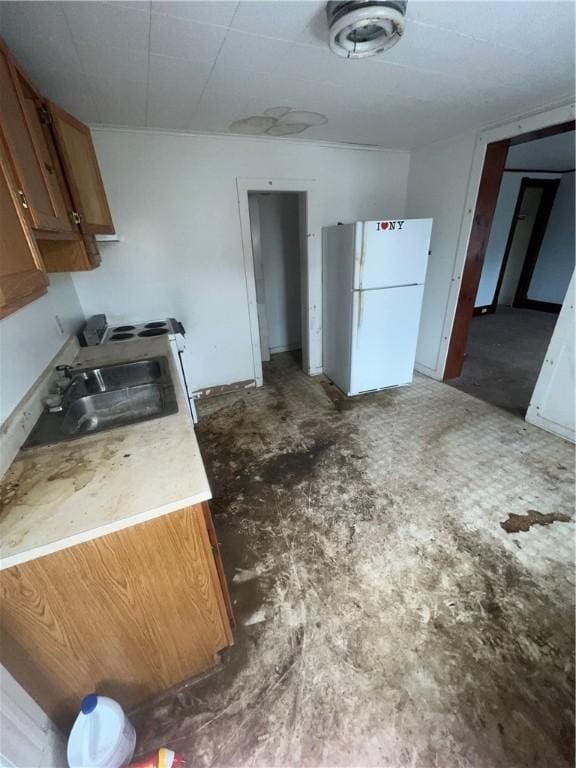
[
  {"x": 275, "y": 233},
  {"x": 310, "y": 268},
  {"x": 522, "y": 259},
  {"x": 529, "y": 222},
  {"x": 489, "y": 192}
]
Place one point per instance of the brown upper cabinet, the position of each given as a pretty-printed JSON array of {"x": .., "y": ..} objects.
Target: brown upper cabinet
[
  {"x": 82, "y": 172},
  {"x": 54, "y": 173},
  {"x": 22, "y": 277},
  {"x": 37, "y": 187}
]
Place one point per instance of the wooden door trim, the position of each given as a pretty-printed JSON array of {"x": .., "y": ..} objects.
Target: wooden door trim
[
  {"x": 550, "y": 188},
  {"x": 490, "y": 180},
  {"x": 543, "y": 133}
]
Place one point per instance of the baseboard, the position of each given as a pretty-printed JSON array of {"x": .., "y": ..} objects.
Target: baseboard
[
  {"x": 285, "y": 348},
  {"x": 540, "y": 306},
  {"x": 223, "y": 389},
  {"x": 425, "y": 370}
]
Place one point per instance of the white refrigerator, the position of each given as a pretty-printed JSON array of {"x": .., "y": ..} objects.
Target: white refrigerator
[{"x": 373, "y": 276}]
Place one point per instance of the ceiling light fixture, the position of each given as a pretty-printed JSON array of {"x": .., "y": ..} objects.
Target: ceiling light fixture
[
  {"x": 257, "y": 124},
  {"x": 277, "y": 112},
  {"x": 362, "y": 28},
  {"x": 302, "y": 116},
  {"x": 278, "y": 121},
  {"x": 287, "y": 129}
]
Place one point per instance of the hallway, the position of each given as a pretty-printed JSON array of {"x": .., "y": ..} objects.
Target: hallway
[{"x": 504, "y": 355}]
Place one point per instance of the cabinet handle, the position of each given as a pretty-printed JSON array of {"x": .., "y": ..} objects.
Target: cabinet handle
[{"x": 22, "y": 197}]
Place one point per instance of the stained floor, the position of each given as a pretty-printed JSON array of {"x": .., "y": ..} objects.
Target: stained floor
[
  {"x": 394, "y": 606},
  {"x": 504, "y": 355}
]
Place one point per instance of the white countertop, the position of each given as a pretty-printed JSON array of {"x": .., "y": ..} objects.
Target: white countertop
[{"x": 56, "y": 496}]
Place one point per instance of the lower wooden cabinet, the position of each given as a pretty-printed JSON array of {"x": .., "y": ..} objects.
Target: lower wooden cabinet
[
  {"x": 127, "y": 615},
  {"x": 22, "y": 276}
]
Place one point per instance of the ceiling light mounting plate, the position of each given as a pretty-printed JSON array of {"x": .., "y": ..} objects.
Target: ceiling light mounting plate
[{"x": 362, "y": 28}]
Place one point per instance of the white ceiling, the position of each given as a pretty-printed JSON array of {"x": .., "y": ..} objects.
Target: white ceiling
[
  {"x": 554, "y": 153},
  {"x": 200, "y": 66}
]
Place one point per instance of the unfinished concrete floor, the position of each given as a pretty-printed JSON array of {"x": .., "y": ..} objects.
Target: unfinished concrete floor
[
  {"x": 504, "y": 355},
  {"x": 385, "y": 615}
]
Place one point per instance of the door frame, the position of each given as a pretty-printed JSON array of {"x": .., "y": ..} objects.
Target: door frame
[
  {"x": 526, "y": 181},
  {"x": 310, "y": 268},
  {"x": 489, "y": 160},
  {"x": 521, "y": 300}
]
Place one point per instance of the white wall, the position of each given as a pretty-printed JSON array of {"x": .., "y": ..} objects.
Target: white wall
[
  {"x": 174, "y": 200},
  {"x": 552, "y": 405},
  {"x": 280, "y": 244},
  {"x": 437, "y": 185},
  {"x": 555, "y": 263},
  {"x": 30, "y": 338},
  {"x": 499, "y": 232}
]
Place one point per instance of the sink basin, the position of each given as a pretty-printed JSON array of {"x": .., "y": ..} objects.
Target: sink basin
[
  {"x": 108, "y": 397},
  {"x": 114, "y": 408},
  {"x": 111, "y": 377}
]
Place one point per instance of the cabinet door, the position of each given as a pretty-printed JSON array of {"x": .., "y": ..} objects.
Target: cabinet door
[
  {"x": 22, "y": 278},
  {"x": 69, "y": 255},
  {"x": 218, "y": 561},
  {"x": 82, "y": 172},
  {"x": 37, "y": 188},
  {"x": 38, "y": 119}
]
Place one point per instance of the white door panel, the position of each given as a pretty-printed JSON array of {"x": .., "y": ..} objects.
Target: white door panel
[
  {"x": 28, "y": 739},
  {"x": 385, "y": 331},
  {"x": 392, "y": 253},
  {"x": 552, "y": 405}
]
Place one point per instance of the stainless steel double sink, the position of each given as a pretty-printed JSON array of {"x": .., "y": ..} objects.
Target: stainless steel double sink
[{"x": 107, "y": 397}]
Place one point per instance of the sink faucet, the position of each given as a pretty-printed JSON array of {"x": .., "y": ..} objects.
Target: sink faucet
[
  {"x": 53, "y": 402},
  {"x": 64, "y": 379}
]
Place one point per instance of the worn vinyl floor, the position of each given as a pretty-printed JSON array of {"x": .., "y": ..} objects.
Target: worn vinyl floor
[
  {"x": 504, "y": 354},
  {"x": 401, "y": 567}
]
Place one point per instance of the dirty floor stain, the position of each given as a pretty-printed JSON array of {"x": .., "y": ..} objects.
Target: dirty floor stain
[
  {"x": 384, "y": 616},
  {"x": 517, "y": 523}
]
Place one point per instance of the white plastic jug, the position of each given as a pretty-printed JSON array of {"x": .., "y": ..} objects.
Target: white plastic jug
[{"x": 102, "y": 736}]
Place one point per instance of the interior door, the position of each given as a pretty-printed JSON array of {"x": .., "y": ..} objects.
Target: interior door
[
  {"x": 82, "y": 172},
  {"x": 393, "y": 253},
  {"x": 529, "y": 200},
  {"x": 384, "y": 336},
  {"x": 548, "y": 189},
  {"x": 37, "y": 187}
]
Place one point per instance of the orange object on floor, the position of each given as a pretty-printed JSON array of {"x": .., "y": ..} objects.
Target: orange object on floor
[{"x": 163, "y": 758}]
